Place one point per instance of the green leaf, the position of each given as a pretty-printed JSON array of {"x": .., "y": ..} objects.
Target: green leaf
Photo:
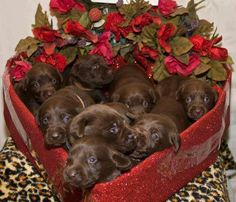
[
  {"x": 28, "y": 45},
  {"x": 85, "y": 20},
  {"x": 217, "y": 71},
  {"x": 125, "y": 49},
  {"x": 134, "y": 8},
  {"x": 148, "y": 36},
  {"x": 179, "y": 11},
  {"x": 202, "y": 68},
  {"x": 229, "y": 60},
  {"x": 205, "y": 60},
  {"x": 70, "y": 52},
  {"x": 41, "y": 19},
  {"x": 159, "y": 71},
  {"x": 204, "y": 28},
  {"x": 183, "y": 58},
  {"x": 181, "y": 45},
  {"x": 115, "y": 50}
]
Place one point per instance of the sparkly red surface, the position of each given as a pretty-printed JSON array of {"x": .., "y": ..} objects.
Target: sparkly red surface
[{"x": 156, "y": 178}]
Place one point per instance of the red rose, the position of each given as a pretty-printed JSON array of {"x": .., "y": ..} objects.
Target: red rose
[
  {"x": 45, "y": 34},
  {"x": 218, "y": 53},
  {"x": 143, "y": 57},
  {"x": 56, "y": 59},
  {"x": 19, "y": 70},
  {"x": 167, "y": 7},
  {"x": 174, "y": 66},
  {"x": 75, "y": 28},
  {"x": 165, "y": 32},
  {"x": 200, "y": 44},
  {"x": 63, "y": 6},
  {"x": 207, "y": 47},
  {"x": 103, "y": 47},
  {"x": 113, "y": 24},
  {"x": 149, "y": 53},
  {"x": 19, "y": 57},
  {"x": 140, "y": 21}
]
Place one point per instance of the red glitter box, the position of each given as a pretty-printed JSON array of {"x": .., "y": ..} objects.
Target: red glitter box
[{"x": 154, "y": 179}]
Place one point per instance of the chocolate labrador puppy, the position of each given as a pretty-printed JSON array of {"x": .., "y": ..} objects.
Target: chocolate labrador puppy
[
  {"x": 92, "y": 160},
  {"x": 132, "y": 87},
  {"x": 103, "y": 120},
  {"x": 58, "y": 110},
  {"x": 42, "y": 81},
  {"x": 196, "y": 96},
  {"x": 160, "y": 129},
  {"x": 91, "y": 73}
]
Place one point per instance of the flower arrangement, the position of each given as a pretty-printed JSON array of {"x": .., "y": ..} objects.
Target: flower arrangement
[{"x": 165, "y": 39}]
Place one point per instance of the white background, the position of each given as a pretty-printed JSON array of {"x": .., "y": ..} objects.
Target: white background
[{"x": 16, "y": 17}]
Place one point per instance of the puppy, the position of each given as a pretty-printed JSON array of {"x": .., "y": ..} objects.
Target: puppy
[
  {"x": 196, "y": 96},
  {"x": 91, "y": 73},
  {"x": 132, "y": 87},
  {"x": 58, "y": 110},
  {"x": 123, "y": 110},
  {"x": 160, "y": 129},
  {"x": 42, "y": 81},
  {"x": 93, "y": 160},
  {"x": 103, "y": 120}
]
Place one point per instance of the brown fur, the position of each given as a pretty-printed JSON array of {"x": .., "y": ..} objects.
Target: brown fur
[
  {"x": 160, "y": 129},
  {"x": 42, "y": 81},
  {"x": 196, "y": 96},
  {"x": 132, "y": 87},
  {"x": 103, "y": 120},
  {"x": 92, "y": 160},
  {"x": 56, "y": 112}
]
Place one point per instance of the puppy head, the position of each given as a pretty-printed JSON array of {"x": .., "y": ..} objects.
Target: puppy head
[
  {"x": 197, "y": 97},
  {"x": 102, "y": 120},
  {"x": 92, "y": 71},
  {"x": 41, "y": 82},
  {"x": 155, "y": 133},
  {"x": 139, "y": 98},
  {"x": 92, "y": 160},
  {"x": 53, "y": 117}
]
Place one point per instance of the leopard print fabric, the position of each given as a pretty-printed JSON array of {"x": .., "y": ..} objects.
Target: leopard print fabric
[{"x": 19, "y": 180}]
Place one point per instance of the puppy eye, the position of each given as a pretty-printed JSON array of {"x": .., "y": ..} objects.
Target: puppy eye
[
  {"x": 145, "y": 104},
  {"x": 54, "y": 81},
  {"x": 45, "y": 121},
  {"x": 95, "y": 66},
  {"x": 114, "y": 129},
  {"x": 92, "y": 160},
  {"x": 206, "y": 99},
  {"x": 155, "y": 136},
  {"x": 36, "y": 84},
  {"x": 188, "y": 99},
  {"x": 66, "y": 118}
]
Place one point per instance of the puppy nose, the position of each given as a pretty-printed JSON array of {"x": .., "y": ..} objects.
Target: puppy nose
[
  {"x": 56, "y": 135},
  {"x": 131, "y": 137},
  {"x": 49, "y": 93},
  {"x": 72, "y": 173}
]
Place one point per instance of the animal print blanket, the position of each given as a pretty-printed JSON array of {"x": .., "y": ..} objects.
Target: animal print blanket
[{"x": 20, "y": 181}]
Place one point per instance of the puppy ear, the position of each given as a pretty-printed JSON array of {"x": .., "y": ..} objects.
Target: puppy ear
[
  {"x": 131, "y": 116},
  {"x": 36, "y": 116},
  {"x": 153, "y": 94},
  {"x": 60, "y": 76},
  {"x": 179, "y": 92},
  {"x": 121, "y": 161},
  {"x": 175, "y": 140},
  {"x": 24, "y": 84},
  {"x": 215, "y": 94},
  {"x": 115, "y": 97}
]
